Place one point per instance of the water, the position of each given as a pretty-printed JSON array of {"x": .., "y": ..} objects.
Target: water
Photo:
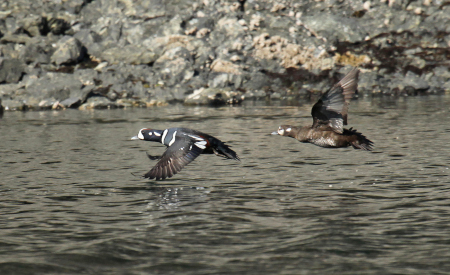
[{"x": 71, "y": 202}]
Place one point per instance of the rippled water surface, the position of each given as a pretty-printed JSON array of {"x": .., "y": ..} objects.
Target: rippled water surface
[{"x": 72, "y": 201}]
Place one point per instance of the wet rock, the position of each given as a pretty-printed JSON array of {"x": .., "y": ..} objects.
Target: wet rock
[
  {"x": 415, "y": 81},
  {"x": 98, "y": 103},
  {"x": 159, "y": 96},
  {"x": 257, "y": 94},
  {"x": 130, "y": 102},
  {"x": 71, "y": 102},
  {"x": 275, "y": 95},
  {"x": 48, "y": 104},
  {"x": 68, "y": 50},
  {"x": 14, "y": 105},
  {"x": 11, "y": 70},
  {"x": 213, "y": 97}
]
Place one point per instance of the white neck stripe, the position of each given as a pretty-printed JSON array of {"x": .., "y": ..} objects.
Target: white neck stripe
[
  {"x": 164, "y": 136},
  {"x": 173, "y": 138}
]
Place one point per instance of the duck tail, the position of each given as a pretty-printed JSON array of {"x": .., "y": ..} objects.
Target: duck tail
[
  {"x": 358, "y": 140},
  {"x": 225, "y": 151}
]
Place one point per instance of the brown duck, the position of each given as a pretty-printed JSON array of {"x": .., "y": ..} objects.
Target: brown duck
[{"x": 329, "y": 117}]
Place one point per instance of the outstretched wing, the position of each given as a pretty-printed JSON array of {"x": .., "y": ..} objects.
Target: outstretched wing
[
  {"x": 179, "y": 154},
  {"x": 332, "y": 107}
]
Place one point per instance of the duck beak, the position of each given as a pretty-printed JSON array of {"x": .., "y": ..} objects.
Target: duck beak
[
  {"x": 134, "y": 138},
  {"x": 274, "y": 133}
]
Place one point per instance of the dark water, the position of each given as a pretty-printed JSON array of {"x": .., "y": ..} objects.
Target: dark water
[{"x": 71, "y": 205}]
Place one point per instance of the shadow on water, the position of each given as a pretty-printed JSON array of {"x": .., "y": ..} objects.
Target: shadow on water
[{"x": 73, "y": 200}]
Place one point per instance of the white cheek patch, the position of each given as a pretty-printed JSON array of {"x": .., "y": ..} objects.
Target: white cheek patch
[
  {"x": 140, "y": 135},
  {"x": 281, "y": 132},
  {"x": 157, "y": 134},
  {"x": 150, "y": 133}
]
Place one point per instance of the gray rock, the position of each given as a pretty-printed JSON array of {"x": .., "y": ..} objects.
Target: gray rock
[
  {"x": 160, "y": 52},
  {"x": 220, "y": 81},
  {"x": 8, "y": 91},
  {"x": 71, "y": 102},
  {"x": 91, "y": 40},
  {"x": 175, "y": 66},
  {"x": 15, "y": 38},
  {"x": 335, "y": 28},
  {"x": 56, "y": 85},
  {"x": 11, "y": 70},
  {"x": 34, "y": 25},
  {"x": 256, "y": 81},
  {"x": 275, "y": 95},
  {"x": 74, "y": 6},
  {"x": 415, "y": 81},
  {"x": 8, "y": 51},
  {"x": 10, "y": 25},
  {"x": 68, "y": 50},
  {"x": 37, "y": 49},
  {"x": 129, "y": 54}
]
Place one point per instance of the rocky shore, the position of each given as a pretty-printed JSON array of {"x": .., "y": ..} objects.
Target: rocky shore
[{"x": 121, "y": 53}]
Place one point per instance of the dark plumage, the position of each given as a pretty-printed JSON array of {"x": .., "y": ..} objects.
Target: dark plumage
[
  {"x": 329, "y": 117},
  {"x": 183, "y": 146}
]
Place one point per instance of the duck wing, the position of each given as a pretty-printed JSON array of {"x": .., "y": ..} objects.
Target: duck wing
[
  {"x": 182, "y": 152},
  {"x": 332, "y": 108}
]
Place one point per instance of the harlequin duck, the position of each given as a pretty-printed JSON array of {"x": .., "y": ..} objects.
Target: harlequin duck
[
  {"x": 329, "y": 117},
  {"x": 183, "y": 146}
]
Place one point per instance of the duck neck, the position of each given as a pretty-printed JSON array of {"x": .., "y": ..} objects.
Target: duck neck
[{"x": 301, "y": 133}]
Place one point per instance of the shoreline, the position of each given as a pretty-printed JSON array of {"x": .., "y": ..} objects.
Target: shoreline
[{"x": 95, "y": 54}]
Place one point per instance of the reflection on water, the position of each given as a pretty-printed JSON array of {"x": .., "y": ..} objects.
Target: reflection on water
[{"x": 71, "y": 203}]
